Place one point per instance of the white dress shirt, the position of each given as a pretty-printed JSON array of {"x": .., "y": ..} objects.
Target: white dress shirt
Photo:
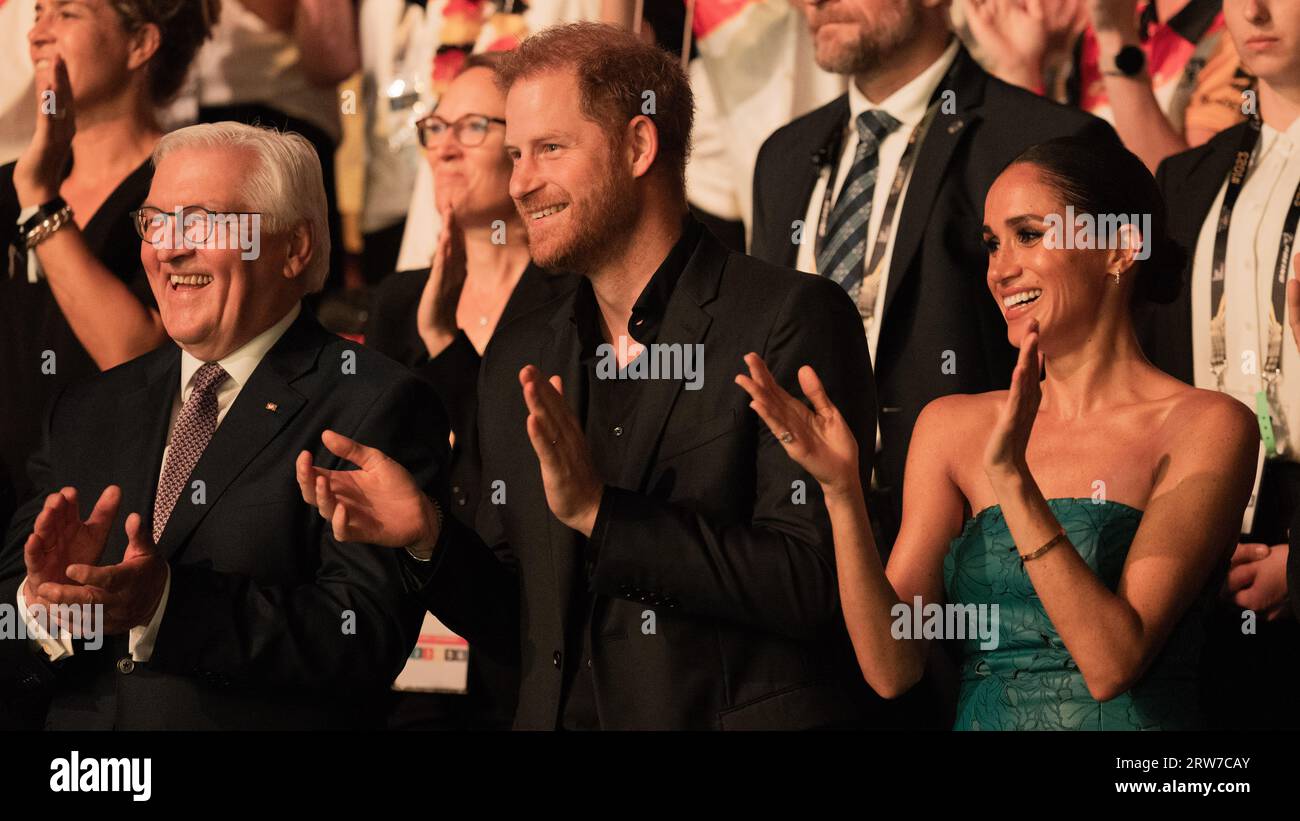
[
  {"x": 1257, "y": 221},
  {"x": 239, "y": 366},
  {"x": 907, "y": 105}
]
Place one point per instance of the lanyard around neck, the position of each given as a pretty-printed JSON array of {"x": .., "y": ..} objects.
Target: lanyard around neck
[{"x": 1218, "y": 342}]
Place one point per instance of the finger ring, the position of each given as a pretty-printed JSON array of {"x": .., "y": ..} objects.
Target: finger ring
[{"x": 787, "y": 437}]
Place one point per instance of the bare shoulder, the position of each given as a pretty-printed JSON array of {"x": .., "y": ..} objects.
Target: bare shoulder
[
  {"x": 1210, "y": 421},
  {"x": 953, "y": 419},
  {"x": 963, "y": 408}
]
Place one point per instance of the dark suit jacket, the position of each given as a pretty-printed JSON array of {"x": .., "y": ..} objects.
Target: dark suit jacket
[
  {"x": 453, "y": 374},
  {"x": 936, "y": 298},
  {"x": 707, "y": 526},
  {"x": 392, "y": 330},
  {"x": 1189, "y": 181},
  {"x": 270, "y": 623}
]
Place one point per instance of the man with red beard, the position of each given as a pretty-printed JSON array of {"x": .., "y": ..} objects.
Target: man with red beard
[{"x": 648, "y": 552}]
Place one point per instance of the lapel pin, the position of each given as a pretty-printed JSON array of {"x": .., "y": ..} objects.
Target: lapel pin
[{"x": 272, "y": 407}]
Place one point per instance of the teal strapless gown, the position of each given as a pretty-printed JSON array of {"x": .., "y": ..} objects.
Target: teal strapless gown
[{"x": 1029, "y": 681}]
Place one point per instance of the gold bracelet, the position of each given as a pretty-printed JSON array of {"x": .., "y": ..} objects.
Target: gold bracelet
[
  {"x": 1053, "y": 542},
  {"x": 47, "y": 227}
]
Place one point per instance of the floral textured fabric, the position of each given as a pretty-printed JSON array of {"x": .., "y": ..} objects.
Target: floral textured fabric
[{"x": 1029, "y": 680}]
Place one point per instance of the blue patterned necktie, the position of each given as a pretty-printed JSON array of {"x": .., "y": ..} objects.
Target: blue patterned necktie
[{"x": 845, "y": 245}]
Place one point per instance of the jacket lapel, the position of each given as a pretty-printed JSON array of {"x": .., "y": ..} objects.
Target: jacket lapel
[
  {"x": 826, "y": 134},
  {"x": 685, "y": 323},
  {"x": 937, "y": 147},
  {"x": 248, "y": 427},
  {"x": 562, "y": 355},
  {"x": 146, "y": 415}
]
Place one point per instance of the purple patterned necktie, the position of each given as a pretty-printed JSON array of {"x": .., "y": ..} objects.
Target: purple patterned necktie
[{"x": 194, "y": 427}]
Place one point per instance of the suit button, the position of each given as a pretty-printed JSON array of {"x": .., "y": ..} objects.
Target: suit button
[
  {"x": 557, "y": 658},
  {"x": 588, "y": 664},
  {"x": 126, "y": 665},
  {"x": 618, "y": 430}
]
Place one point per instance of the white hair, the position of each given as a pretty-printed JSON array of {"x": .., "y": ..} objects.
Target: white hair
[{"x": 286, "y": 186}]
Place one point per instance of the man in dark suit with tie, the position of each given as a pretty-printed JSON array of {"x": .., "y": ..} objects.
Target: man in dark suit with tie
[
  {"x": 840, "y": 201},
  {"x": 223, "y": 601},
  {"x": 656, "y": 561}
]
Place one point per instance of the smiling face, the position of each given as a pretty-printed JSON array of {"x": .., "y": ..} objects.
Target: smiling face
[
  {"x": 475, "y": 180},
  {"x": 89, "y": 36},
  {"x": 212, "y": 300},
  {"x": 570, "y": 184},
  {"x": 1063, "y": 288},
  {"x": 854, "y": 36},
  {"x": 1267, "y": 37}
]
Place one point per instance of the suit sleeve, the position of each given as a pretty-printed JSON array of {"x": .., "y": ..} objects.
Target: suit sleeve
[
  {"x": 777, "y": 570},
  {"x": 24, "y": 667},
  {"x": 353, "y": 626},
  {"x": 472, "y": 582},
  {"x": 760, "y": 240}
]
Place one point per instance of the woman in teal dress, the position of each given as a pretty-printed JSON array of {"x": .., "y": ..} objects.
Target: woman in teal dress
[{"x": 1071, "y": 529}]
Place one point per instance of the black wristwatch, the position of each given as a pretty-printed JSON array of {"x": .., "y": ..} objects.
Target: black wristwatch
[{"x": 1129, "y": 61}]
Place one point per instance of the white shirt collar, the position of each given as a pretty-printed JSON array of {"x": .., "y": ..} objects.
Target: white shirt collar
[
  {"x": 1286, "y": 140},
  {"x": 908, "y": 104},
  {"x": 241, "y": 363}
]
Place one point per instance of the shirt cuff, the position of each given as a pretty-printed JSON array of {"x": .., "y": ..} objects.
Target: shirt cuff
[
  {"x": 141, "y": 639},
  {"x": 599, "y": 528},
  {"x": 55, "y": 648}
]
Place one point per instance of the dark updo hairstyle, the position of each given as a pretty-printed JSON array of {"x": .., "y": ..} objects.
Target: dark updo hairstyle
[
  {"x": 1100, "y": 176},
  {"x": 183, "y": 25}
]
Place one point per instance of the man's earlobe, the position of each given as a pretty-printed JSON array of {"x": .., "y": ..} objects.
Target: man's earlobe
[
  {"x": 299, "y": 252},
  {"x": 645, "y": 144}
]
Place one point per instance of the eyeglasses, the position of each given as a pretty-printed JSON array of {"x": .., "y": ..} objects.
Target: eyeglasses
[
  {"x": 469, "y": 130},
  {"x": 196, "y": 223}
]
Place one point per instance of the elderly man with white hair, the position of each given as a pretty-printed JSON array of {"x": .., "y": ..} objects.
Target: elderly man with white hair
[{"x": 217, "y": 598}]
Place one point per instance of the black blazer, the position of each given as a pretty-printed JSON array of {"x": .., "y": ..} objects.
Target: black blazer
[
  {"x": 391, "y": 329},
  {"x": 709, "y": 524},
  {"x": 1189, "y": 181},
  {"x": 936, "y": 299},
  {"x": 270, "y": 623}
]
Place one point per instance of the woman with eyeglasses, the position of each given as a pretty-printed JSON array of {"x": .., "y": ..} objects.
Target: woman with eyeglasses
[
  {"x": 438, "y": 320},
  {"x": 73, "y": 297}
]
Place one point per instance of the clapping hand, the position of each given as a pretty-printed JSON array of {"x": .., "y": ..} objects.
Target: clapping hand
[
  {"x": 817, "y": 438},
  {"x": 573, "y": 487},
  {"x": 378, "y": 503},
  {"x": 60, "y": 538},
  {"x": 1019, "y": 35},
  {"x": 128, "y": 591},
  {"x": 1004, "y": 453},
  {"x": 38, "y": 174},
  {"x": 436, "y": 313}
]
